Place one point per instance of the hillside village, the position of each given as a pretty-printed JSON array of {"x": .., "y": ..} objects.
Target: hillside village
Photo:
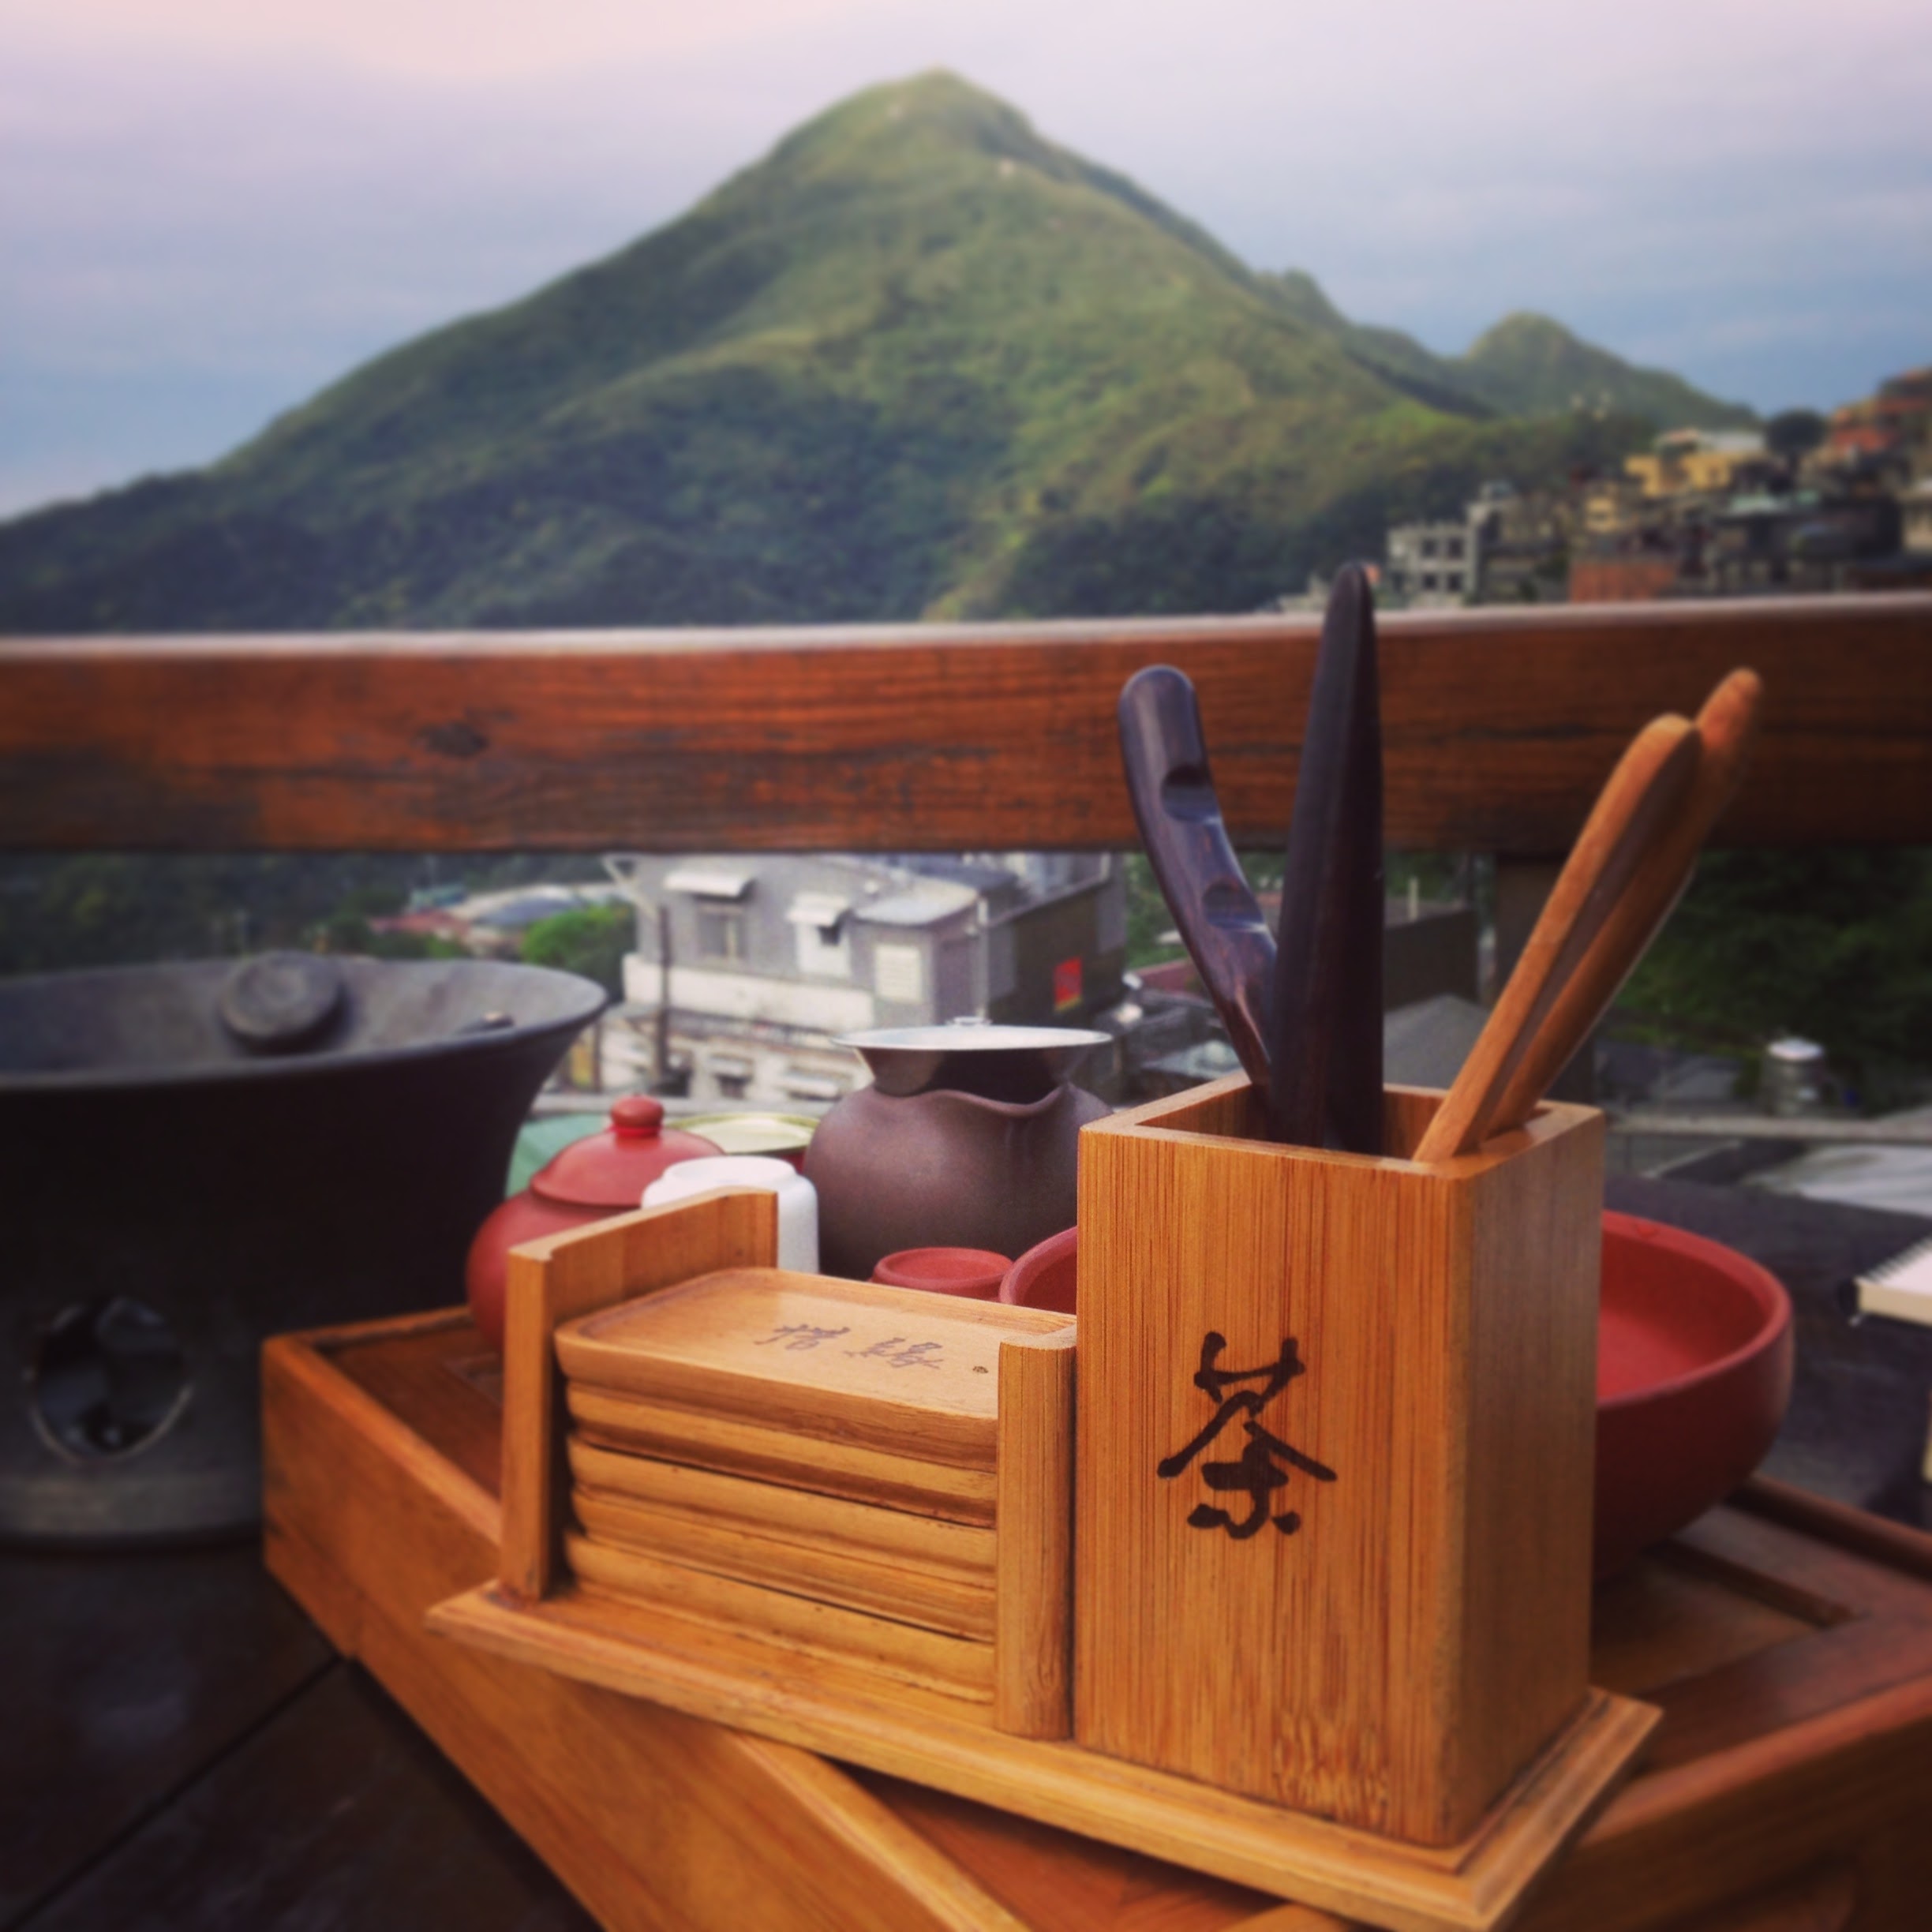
[{"x": 1807, "y": 504}]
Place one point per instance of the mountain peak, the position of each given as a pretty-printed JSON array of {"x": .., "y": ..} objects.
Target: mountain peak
[
  {"x": 1523, "y": 330},
  {"x": 916, "y": 359},
  {"x": 935, "y": 106},
  {"x": 1529, "y": 364},
  {"x": 938, "y": 129}
]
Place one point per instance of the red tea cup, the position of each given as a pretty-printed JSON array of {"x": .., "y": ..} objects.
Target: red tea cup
[{"x": 974, "y": 1272}]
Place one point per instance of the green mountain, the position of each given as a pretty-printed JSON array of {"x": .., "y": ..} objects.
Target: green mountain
[
  {"x": 1528, "y": 365},
  {"x": 917, "y": 362}
]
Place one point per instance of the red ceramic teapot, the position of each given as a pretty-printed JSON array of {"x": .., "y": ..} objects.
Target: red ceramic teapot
[{"x": 592, "y": 1179}]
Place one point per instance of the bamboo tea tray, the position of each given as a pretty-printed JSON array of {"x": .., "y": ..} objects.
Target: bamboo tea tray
[
  {"x": 771, "y": 1690},
  {"x": 794, "y": 1542}
]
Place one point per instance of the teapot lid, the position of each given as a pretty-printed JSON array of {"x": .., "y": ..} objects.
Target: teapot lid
[
  {"x": 612, "y": 1167},
  {"x": 974, "y": 1054}
]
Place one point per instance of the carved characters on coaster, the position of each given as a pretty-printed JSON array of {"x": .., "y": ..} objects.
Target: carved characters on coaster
[
  {"x": 799, "y": 1335},
  {"x": 902, "y": 1353},
  {"x": 896, "y": 1351},
  {"x": 1257, "y": 1472}
]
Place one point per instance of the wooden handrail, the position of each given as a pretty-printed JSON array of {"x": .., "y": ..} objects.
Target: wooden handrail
[{"x": 1500, "y": 724}]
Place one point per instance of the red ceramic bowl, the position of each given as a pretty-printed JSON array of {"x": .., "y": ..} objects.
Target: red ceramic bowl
[
  {"x": 976, "y": 1272},
  {"x": 1693, "y": 1370},
  {"x": 1046, "y": 1275}
]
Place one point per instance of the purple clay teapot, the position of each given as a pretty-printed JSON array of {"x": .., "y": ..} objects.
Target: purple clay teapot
[{"x": 968, "y": 1137}]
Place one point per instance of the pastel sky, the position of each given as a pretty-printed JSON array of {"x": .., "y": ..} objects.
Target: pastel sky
[{"x": 210, "y": 209}]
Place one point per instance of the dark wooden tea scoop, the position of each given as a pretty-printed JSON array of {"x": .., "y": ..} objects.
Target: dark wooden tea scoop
[{"x": 1165, "y": 757}]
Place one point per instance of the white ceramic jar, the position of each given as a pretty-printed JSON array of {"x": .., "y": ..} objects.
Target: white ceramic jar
[{"x": 798, "y": 1200}]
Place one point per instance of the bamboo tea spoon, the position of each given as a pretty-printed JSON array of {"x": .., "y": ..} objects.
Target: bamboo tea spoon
[
  {"x": 1726, "y": 728},
  {"x": 1632, "y": 815},
  {"x": 1165, "y": 754},
  {"x": 1325, "y": 1042}
]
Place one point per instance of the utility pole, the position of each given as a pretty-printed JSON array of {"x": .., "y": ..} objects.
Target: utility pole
[{"x": 662, "y": 1044}]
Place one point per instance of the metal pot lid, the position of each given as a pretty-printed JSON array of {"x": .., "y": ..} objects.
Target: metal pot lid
[
  {"x": 612, "y": 1167},
  {"x": 908, "y": 1060},
  {"x": 282, "y": 1002}
]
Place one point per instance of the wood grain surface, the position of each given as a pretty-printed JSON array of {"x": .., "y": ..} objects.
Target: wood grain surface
[
  {"x": 1782, "y": 1757},
  {"x": 1629, "y": 824},
  {"x": 783, "y": 1511},
  {"x": 571, "y": 1273},
  {"x": 1376, "y": 1609},
  {"x": 766, "y": 1683},
  {"x": 1032, "y": 1684},
  {"x": 627, "y": 1424},
  {"x": 652, "y": 1818},
  {"x": 899, "y": 1370},
  {"x": 821, "y": 1566},
  {"x": 1499, "y": 728},
  {"x": 806, "y": 1627},
  {"x": 1726, "y": 728}
]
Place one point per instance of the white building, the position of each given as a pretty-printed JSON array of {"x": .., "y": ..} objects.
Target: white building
[
  {"x": 1431, "y": 566},
  {"x": 747, "y": 968}
]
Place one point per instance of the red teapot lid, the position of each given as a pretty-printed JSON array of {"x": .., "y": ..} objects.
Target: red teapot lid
[{"x": 611, "y": 1168}]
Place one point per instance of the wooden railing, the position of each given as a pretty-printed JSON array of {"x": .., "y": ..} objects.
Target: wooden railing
[{"x": 1498, "y": 726}]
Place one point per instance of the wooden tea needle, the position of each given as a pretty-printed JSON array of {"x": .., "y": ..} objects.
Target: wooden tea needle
[
  {"x": 1632, "y": 815},
  {"x": 1325, "y": 1043},
  {"x": 1726, "y": 728}
]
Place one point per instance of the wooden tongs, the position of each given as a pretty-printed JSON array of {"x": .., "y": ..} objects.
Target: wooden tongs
[{"x": 1630, "y": 863}]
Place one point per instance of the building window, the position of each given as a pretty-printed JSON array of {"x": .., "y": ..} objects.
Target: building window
[
  {"x": 1428, "y": 546},
  {"x": 721, "y": 932},
  {"x": 819, "y": 919},
  {"x": 719, "y": 893},
  {"x": 1453, "y": 548},
  {"x": 822, "y": 952},
  {"x": 1428, "y": 580},
  {"x": 899, "y": 974}
]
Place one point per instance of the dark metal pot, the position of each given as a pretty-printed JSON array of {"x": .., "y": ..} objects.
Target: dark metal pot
[{"x": 195, "y": 1157}]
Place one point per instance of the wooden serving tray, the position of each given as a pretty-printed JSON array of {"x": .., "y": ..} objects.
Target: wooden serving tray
[
  {"x": 1787, "y": 1642},
  {"x": 797, "y": 1693},
  {"x": 984, "y": 1721}
]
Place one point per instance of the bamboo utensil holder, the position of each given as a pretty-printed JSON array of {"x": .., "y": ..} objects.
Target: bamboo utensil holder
[{"x": 1336, "y": 1440}]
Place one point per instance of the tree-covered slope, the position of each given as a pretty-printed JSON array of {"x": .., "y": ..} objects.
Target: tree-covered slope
[
  {"x": 918, "y": 361},
  {"x": 1528, "y": 365}
]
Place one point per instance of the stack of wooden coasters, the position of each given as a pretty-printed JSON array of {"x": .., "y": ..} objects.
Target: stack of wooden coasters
[{"x": 812, "y": 1459}]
